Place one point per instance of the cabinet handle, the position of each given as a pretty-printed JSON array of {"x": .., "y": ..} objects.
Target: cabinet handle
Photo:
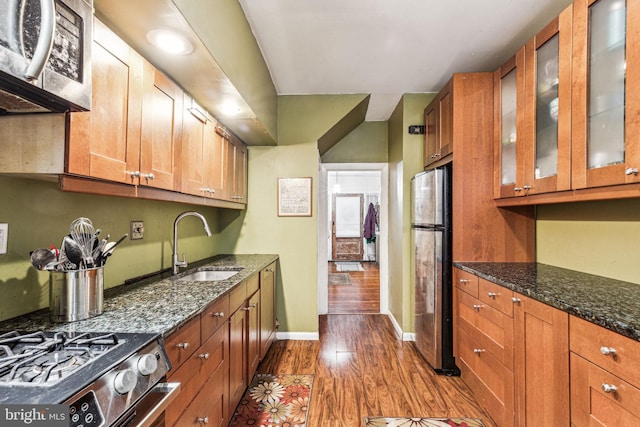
[
  {"x": 609, "y": 388},
  {"x": 492, "y": 295},
  {"x": 203, "y": 420},
  {"x": 464, "y": 281},
  {"x": 479, "y": 350},
  {"x": 148, "y": 176},
  {"x": 516, "y": 300},
  {"x": 218, "y": 314},
  {"x": 183, "y": 345},
  {"x": 608, "y": 351},
  {"x": 477, "y": 307},
  {"x": 631, "y": 171},
  {"x": 526, "y": 187},
  {"x": 204, "y": 356},
  {"x": 133, "y": 174},
  {"x": 516, "y": 189}
]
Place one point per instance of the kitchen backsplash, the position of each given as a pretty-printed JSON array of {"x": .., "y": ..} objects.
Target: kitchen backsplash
[
  {"x": 600, "y": 238},
  {"x": 39, "y": 215}
]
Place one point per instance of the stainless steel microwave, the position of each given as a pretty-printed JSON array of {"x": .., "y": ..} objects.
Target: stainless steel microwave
[{"x": 45, "y": 55}]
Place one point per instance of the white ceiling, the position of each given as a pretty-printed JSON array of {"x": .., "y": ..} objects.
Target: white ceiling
[{"x": 388, "y": 47}]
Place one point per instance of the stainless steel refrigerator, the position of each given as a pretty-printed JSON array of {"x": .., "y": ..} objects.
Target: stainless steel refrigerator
[{"x": 432, "y": 241}]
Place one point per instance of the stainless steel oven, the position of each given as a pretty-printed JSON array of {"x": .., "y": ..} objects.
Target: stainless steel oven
[
  {"x": 45, "y": 55},
  {"x": 106, "y": 379}
]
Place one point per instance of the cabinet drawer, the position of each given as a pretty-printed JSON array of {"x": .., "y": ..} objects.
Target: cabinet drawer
[
  {"x": 466, "y": 282},
  {"x": 207, "y": 406},
  {"x": 590, "y": 340},
  {"x": 214, "y": 316},
  {"x": 496, "y": 296},
  {"x": 238, "y": 296},
  {"x": 193, "y": 373},
  {"x": 490, "y": 328},
  {"x": 183, "y": 343},
  {"x": 491, "y": 382},
  {"x": 592, "y": 405}
]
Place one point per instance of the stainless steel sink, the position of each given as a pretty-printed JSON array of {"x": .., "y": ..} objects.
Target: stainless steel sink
[{"x": 208, "y": 275}]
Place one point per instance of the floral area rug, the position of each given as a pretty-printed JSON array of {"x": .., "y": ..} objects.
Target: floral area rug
[
  {"x": 275, "y": 400},
  {"x": 422, "y": 422}
]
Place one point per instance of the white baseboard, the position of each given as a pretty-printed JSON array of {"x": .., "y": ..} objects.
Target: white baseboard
[
  {"x": 396, "y": 326},
  {"x": 409, "y": 336},
  {"x": 300, "y": 336}
]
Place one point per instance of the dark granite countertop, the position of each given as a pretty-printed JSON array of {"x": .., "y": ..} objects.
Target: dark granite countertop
[
  {"x": 157, "y": 304},
  {"x": 610, "y": 303}
]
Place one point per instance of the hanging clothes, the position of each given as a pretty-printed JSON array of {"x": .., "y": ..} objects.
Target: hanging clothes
[{"x": 370, "y": 224}]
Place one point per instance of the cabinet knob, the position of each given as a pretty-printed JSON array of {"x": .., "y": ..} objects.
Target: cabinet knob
[
  {"x": 492, "y": 295},
  {"x": 608, "y": 351},
  {"x": 218, "y": 314},
  {"x": 516, "y": 300},
  {"x": 526, "y": 187},
  {"x": 477, "y": 307},
  {"x": 479, "y": 350},
  {"x": 631, "y": 171},
  {"x": 609, "y": 388},
  {"x": 183, "y": 345},
  {"x": 203, "y": 420},
  {"x": 517, "y": 189},
  {"x": 464, "y": 281},
  {"x": 204, "y": 356},
  {"x": 148, "y": 176},
  {"x": 133, "y": 173}
]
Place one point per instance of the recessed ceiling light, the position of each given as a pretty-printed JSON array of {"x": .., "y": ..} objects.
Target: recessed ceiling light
[
  {"x": 230, "y": 109},
  {"x": 170, "y": 42}
]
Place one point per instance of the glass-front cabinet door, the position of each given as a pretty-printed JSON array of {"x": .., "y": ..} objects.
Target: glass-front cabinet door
[
  {"x": 509, "y": 98},
  {"x": 606, "y": 92},
  {"x": 547, "y": 139}
]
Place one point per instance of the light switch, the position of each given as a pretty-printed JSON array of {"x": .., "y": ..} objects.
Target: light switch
[{"x": 4, "y": 231}]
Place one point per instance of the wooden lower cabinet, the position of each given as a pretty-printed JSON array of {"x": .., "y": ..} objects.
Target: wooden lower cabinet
[
  {"x": 268, "y": 324},
  {"x": 215, "y": 355},
  {"x": 542, "y": 363},
  {"x": 202, "y": 378},
  {"x": 605, "y": 381},
  {"x": 513, "y": 352}
]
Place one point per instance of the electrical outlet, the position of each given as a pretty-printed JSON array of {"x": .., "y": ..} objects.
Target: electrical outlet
[
  {"x": 137, "y": 230},
  {"x": 4, "y": 231}
]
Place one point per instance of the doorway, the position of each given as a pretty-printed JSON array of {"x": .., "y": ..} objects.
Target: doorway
[{"x": 351, "y": 268}]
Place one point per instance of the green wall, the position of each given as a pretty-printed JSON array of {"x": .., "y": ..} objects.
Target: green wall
[
  {"x": 365, "y": 144},
  {"x": 39, "y": 215},
  {"x": 600, "y": 238},
  {"x": 405, "y": 160}
]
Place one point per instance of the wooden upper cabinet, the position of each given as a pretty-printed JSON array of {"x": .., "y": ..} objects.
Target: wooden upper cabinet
[
  {"x": 547, "y": 138},
  {"x": 235, "y": 174},
  {"x": 509, "y": 122},
  {"x": 438, "y": 123},
  {"x": 606, "y": 92},
  {"x": 203, "y": 153},
  {"x": 161, "y": 130},
  {"x": 431, "y": 140},
  {"x": 105, "y": 142}
]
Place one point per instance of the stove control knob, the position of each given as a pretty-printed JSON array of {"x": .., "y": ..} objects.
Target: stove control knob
[
  {"x": 147, "y": 364},
  {"x": 125, "y": 381}
]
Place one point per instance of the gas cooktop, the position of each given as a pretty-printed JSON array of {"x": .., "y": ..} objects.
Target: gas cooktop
[{"x": 50, "y": 367}]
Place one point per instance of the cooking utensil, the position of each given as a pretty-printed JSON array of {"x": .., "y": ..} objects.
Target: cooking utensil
[
  {"x": 108, "y": 249},
  {"x": 84, "y": 233},
  {"x": 72, "y": 250},
  {"x": 41, "y": 257}
]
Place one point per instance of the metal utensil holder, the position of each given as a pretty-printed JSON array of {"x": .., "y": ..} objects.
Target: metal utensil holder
[{"x": 76, "y": 295}]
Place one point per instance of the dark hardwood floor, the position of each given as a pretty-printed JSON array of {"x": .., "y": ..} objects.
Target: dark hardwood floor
[
  {"x": 361, "y": 368},
  {"x": 361, "y": 296}
]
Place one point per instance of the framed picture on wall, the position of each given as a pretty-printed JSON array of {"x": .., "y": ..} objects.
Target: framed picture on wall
[{"x": 294, "y": 196}]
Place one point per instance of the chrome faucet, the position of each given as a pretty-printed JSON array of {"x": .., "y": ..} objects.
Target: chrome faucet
[{"x": 176, "y": 262}]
